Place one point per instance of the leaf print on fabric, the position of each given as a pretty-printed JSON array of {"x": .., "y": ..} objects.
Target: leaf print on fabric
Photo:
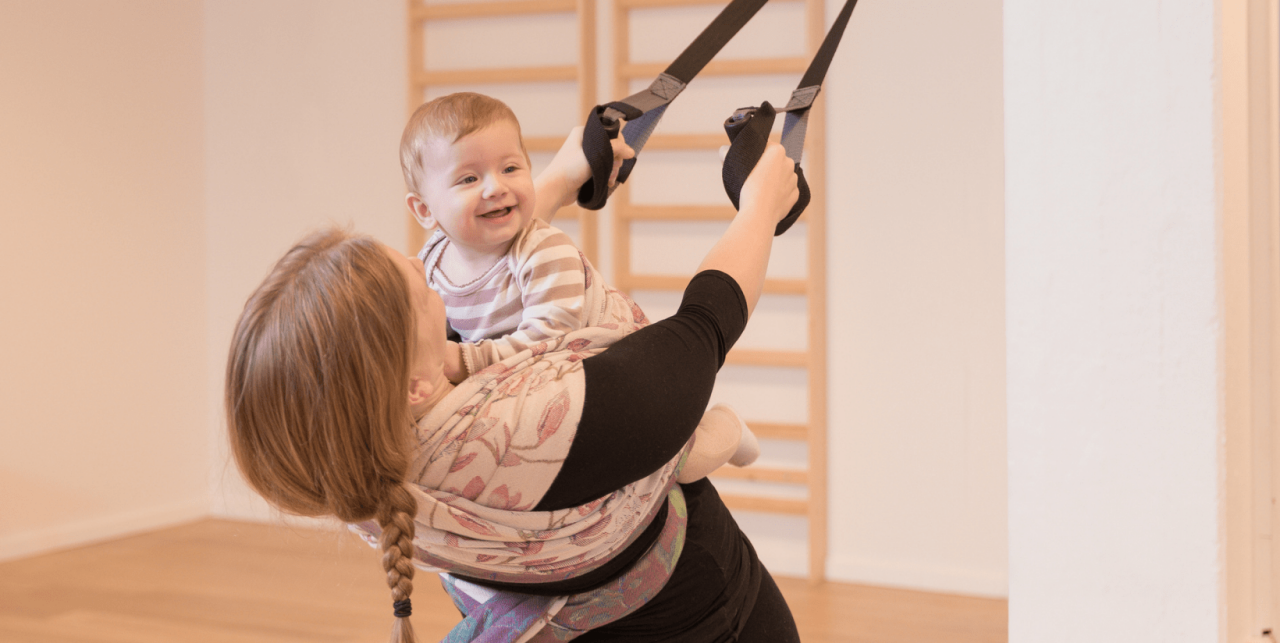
[
  {"x": 513, "y": 383},
  {"x": 462, "y": 462},
  {"x": 525, "y": 549},
  {"x": 541, "y": 561},
  {"x": 591, "y": 534},
  {"x": 476, "y": 526},
  {"x": 578, "y": 345},
  {"x": 637, "y": 315},
  {"x": 591, "y": 506},
  {"x": 502, "y": 498},
  {"x": 479, "y": 428},
  {"x": 553, "y": 416},
  {"x": 472, "y": 490},
  {"x": 511, "y": 459},
  {"x": 484, "y": 558}
]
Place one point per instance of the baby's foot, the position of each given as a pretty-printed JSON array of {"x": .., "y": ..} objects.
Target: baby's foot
[{"x": 748, "y": 446}]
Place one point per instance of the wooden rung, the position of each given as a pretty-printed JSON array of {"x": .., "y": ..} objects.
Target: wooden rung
[
  {"x": 674, "y": 212},
  {"x": 498, "y": 75},
  {"x": 543, "y": 143},
  {"x": 694, "y": 141},
  {"x": 786, "y": 286},
  {"x": 453, "y": 11},
  {"x": 767, "y": 505},
  {"x": 677, "y": 283},
  {"x": 780, "y": 359},
  {"x": 771, "y": 431},
  {"x": 645, "y": 4},
  {"x": 763, "y": 474},
  {"x": 572, "y": 213},
  {"x": 686, "y": 141},
  {"x": 746, "y": 67}
]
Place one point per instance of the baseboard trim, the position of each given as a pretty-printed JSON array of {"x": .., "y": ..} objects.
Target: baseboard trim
[{"x": 85, "y": 532}]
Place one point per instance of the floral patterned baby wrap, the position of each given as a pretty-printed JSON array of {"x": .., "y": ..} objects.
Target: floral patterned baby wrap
[{"x": 490, "y": 450}]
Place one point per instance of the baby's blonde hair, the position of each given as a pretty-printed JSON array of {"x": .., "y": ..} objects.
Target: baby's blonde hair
[
  {"x": 316, "y": 394},
  {"x": 450, "y": 118}
]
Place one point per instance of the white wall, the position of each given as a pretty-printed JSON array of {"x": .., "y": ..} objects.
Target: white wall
[
  {"x": 102, "y": 395},
  {"x": 1113, "y": 321},
  {"x": 304, "y": 103},
  {"x": 916, "y": 297}
]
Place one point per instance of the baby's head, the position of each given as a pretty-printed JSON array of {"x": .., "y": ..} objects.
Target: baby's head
[{"x": 467, "y": 170}]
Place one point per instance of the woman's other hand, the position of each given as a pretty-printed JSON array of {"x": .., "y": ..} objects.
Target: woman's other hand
[
  {"x": 557, "y": 185},
  {"x": 772, "y": 186}
]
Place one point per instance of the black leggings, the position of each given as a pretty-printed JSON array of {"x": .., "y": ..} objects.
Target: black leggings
[
  {"x": 644, "y": 398},
  {"x": 720, "y": 591},
  {"x": 646, "y": 394}
]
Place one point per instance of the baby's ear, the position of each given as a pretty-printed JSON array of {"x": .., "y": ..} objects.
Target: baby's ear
[{"x": 421, "y": 213}]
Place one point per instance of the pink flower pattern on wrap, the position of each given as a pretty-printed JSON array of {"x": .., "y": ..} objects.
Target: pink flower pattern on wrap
[{"x": 488, "y": 452}]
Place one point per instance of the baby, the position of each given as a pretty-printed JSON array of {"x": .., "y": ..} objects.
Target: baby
[{"x": 509, "y": 279}]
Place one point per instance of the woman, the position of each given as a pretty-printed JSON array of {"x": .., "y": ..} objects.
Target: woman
[{"x": 544, "y": 484}]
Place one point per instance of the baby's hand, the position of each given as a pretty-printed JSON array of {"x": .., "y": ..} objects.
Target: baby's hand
[{"x": 454, "y": 368}]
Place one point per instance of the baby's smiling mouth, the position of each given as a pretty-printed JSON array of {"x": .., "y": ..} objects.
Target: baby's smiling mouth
[{"x": 496, "y": 214}]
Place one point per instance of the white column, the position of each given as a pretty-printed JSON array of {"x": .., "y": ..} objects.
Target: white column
[{"x": 1113, "y": 320}]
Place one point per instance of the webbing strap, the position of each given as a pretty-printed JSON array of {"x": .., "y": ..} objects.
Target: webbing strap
[
  {"x": 644, "y": 109},
  {"x": 748, "y": 120}
]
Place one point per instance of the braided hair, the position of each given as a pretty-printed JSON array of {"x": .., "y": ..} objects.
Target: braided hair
[{"x": 316, "y": 394}]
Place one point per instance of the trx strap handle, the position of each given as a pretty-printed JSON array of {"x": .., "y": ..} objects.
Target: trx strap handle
[
  {"x": 644, "y": 109},
  {"x": 749, "y": 127},
  {"x": 748, "y": 131}
]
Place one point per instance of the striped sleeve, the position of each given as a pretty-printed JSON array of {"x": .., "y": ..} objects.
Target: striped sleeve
[{"x": 551, "y": 276}]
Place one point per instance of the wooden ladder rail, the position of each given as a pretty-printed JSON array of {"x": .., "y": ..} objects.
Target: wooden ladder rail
[
  {"x": 584, "y": 73},
  {"x": 814, "y": 287}
]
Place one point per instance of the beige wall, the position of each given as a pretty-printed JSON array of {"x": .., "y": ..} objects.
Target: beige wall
[
  {"x": 304, "y": 104},
  {"x": 301, "y": 110},
  {"x": 102, "y": 395}
]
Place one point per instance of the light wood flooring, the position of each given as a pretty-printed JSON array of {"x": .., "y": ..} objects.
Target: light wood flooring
[{"x": 233, "y": 582}]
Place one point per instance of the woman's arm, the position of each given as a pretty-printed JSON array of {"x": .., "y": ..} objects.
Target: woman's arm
[
  {"x": 767, "y": 196},
  {"x": 646, "y": 394},
  {"x": 557, "y": 185}
]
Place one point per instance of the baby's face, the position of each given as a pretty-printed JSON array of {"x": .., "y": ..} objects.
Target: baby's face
[{"x": 479, "y": 188}]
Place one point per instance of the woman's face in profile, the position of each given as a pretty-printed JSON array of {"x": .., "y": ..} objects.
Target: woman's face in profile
[{"x": 427, "y": 359}]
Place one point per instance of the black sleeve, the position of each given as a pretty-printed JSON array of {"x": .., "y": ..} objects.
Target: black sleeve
[{"x": 646, "y": 393}]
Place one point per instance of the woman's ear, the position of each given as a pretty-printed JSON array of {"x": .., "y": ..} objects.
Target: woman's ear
[
  {"x": 421, "y": 213},
  {"x": 420, "y": 390}
]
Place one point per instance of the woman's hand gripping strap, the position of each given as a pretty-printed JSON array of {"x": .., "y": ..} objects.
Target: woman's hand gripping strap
[
  {"x": 748, "y": 131},
  {"x": 603, "y": 125}
]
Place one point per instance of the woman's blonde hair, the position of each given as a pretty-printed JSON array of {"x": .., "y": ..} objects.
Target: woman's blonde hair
[
  {"x": 316, "y": 395},
  {"x": 450, "y": 118}
]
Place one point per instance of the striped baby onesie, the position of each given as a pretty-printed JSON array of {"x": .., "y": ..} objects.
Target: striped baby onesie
[{"x": 542, "y": 288}]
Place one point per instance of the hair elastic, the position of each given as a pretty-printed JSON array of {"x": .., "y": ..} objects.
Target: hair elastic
[{"x": 403, "y": 608}]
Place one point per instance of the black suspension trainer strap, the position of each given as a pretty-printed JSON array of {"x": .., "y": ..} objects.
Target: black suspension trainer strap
[
  {"x": 644, "y": 109},
  {"x": 749, "y": 127}
]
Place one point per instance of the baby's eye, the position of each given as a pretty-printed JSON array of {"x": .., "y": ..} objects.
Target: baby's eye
[
  {"x": 466, "y": 179},
  {"x": 512, "y": 168}
]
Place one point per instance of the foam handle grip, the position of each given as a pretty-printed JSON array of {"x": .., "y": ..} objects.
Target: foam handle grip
[{"x": 596, "y": 134}]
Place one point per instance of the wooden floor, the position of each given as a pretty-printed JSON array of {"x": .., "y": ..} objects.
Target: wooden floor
[{"x": 231, "y": 582}]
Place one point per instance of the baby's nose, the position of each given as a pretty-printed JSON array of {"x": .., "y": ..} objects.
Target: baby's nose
[{"x": 495, "y": 186}]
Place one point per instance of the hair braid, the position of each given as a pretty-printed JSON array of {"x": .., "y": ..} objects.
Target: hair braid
[{"x": 396, "y": 518}]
